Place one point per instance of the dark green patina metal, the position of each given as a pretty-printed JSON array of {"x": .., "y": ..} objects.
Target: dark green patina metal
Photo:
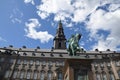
[{"x": 73, "y": 44}]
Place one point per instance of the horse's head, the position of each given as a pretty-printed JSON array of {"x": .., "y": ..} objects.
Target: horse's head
[{"x": 78, "y": 36}]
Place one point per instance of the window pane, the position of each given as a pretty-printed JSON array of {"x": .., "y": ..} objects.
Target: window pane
[
  {"x": 18, "y": 62},
  {"x": 104, "y": 77},
  {"x": 37, "y": 62},
  {"x": 42, "y": 75},
  {"x": 119, "y": 73},
  {"x": 49, "y": 75},
  {"x": 28, "y": 75},
  {"x": 98, "y": 76},
  {"x": 11, "y": 61},
  {"x": 2, "y": 59},
  {"x": 31, "y": 62},
  {"x": 112, "y": 76},
  {"x": 22, "y": 74},
  {"x": 7, "y": 74},
  {"x": 50, "y": 63},
  {"x": 59, "y": 76},
  {"x": 35, "y": 75},
  {"x": 25, "y": 62},
  {"x": 15, "y": 74}
]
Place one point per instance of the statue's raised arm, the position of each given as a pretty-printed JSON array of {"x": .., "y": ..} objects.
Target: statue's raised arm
[{"x": 73, "y": 44}]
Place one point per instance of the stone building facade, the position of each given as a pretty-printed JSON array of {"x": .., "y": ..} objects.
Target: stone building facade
[{"x": 56, "y": 64}]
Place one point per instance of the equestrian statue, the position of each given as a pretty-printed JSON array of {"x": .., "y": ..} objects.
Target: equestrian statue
[{"x": 73, "y": 44}]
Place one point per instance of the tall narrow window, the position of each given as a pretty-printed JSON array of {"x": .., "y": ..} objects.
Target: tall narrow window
[
  {"x": 42, "y": 75},
  {"x": 49, "y": 75},
  {"x": 119, "y": 73},
  {"x": 50, "y": 63},
  {"x": 60, "y": 76},
  {"x": 28, "y": 74},
  {"x": 7, "y": 74},
  {"x": 104, "y": 76},
  {"x": 112, "y": 76},
  {"x": 25, "y": 62},
  {"x": 22, "y": 74},
  {"x": 98, "y": 76},
  {"x": 31, "y": 62},
  {"x": 2, "y": 59},
  {"x": 19, "y": 61},
  {"x": 35, "y": 75},
  {"x": 59, "y": 45},
  {"x": 15, "y": 74},
  {"x": 37, "y": 62}
]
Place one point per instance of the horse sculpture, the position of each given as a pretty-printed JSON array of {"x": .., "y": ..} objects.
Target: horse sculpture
[{"x": 73, "y": 45}]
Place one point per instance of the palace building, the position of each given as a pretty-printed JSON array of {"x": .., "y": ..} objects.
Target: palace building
[{"x": 56, "y": 64}]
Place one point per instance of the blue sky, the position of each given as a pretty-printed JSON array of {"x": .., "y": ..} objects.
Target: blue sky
[{"x": 34, "y": 22}]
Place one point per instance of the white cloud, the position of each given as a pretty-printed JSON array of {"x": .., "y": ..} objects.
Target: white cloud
[
  {"x": 107, "y": 21},
  {"x": 29, "y": 1},
  {"x": 1, "y": 39},
  {"x": 77, "y": 11},
  {"x": 43, "y": 36},
  {"x": 16, "y": 16}
]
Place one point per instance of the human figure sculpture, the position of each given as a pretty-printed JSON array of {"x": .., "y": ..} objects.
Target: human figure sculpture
[{"x": 73, "y": 44}]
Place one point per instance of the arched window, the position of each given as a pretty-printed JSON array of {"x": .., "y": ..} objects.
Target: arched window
[
  {"x": 42, "y": 75},
  {"x": 35, "y": 75},
  {"x": 60, "y": 76},
  {"x": 49, "y": 75},
  {"x": 98, "y": 76},
  {"x": 7, "y": 74},
  {"x": 104, "y": 76},
  {"x": 22, "y": 73},
  {"x": 15, "y": 74},
  {"x": 112, "y": 76},
  {"x": 28, "y": 74}
]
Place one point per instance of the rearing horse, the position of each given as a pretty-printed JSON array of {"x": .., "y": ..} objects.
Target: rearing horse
[{"x": 73, "y": 46}]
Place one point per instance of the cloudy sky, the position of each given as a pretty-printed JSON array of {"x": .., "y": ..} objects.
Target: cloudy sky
[{"x": 34, "y": 22}]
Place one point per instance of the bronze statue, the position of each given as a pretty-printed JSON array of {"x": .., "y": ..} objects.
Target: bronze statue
[{"x": 73, "y": 45}]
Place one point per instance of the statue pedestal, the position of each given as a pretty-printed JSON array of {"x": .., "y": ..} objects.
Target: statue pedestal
[{"x": 75, "y": 69}]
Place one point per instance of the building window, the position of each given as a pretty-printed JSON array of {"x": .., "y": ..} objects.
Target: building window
[
  {"x": 42, "y": 75},
  {"x": 59, "y": 45},
  {"x": 104, "y": 76},
  {"x": 95, "y": 65},
  {"x": 35, "y": 75},
  {"x": 50, "y": 63},
  {"x": 11, "y": 61},
  {"x": 37, "y": 62},
  {"x": 57, "y": 63},
  {"x": 7, "y": 73},
  {"x": 22, "y": 73},
  {"x": 31, "y": 62},
  {"x": 2, "y": 59},
  {"x": 108, "y": 64},
  {"x": 49, "y": 75},
  {"x": 60, "y": 76},
  {"x": 117, "y": 63},
  {"x": 102, "y": 65},
  {"x": 15, "y": 74},
  {"x": 18, "y": 62},
  {"x": 119, "y": 73},
  {"x": 112, "y": 76},
  {"x": 98, "y": 76},
  {"x": 28, "y": 74},
  {"x": 25, "y": 62},
  {"x": 43, "y": 63}
]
